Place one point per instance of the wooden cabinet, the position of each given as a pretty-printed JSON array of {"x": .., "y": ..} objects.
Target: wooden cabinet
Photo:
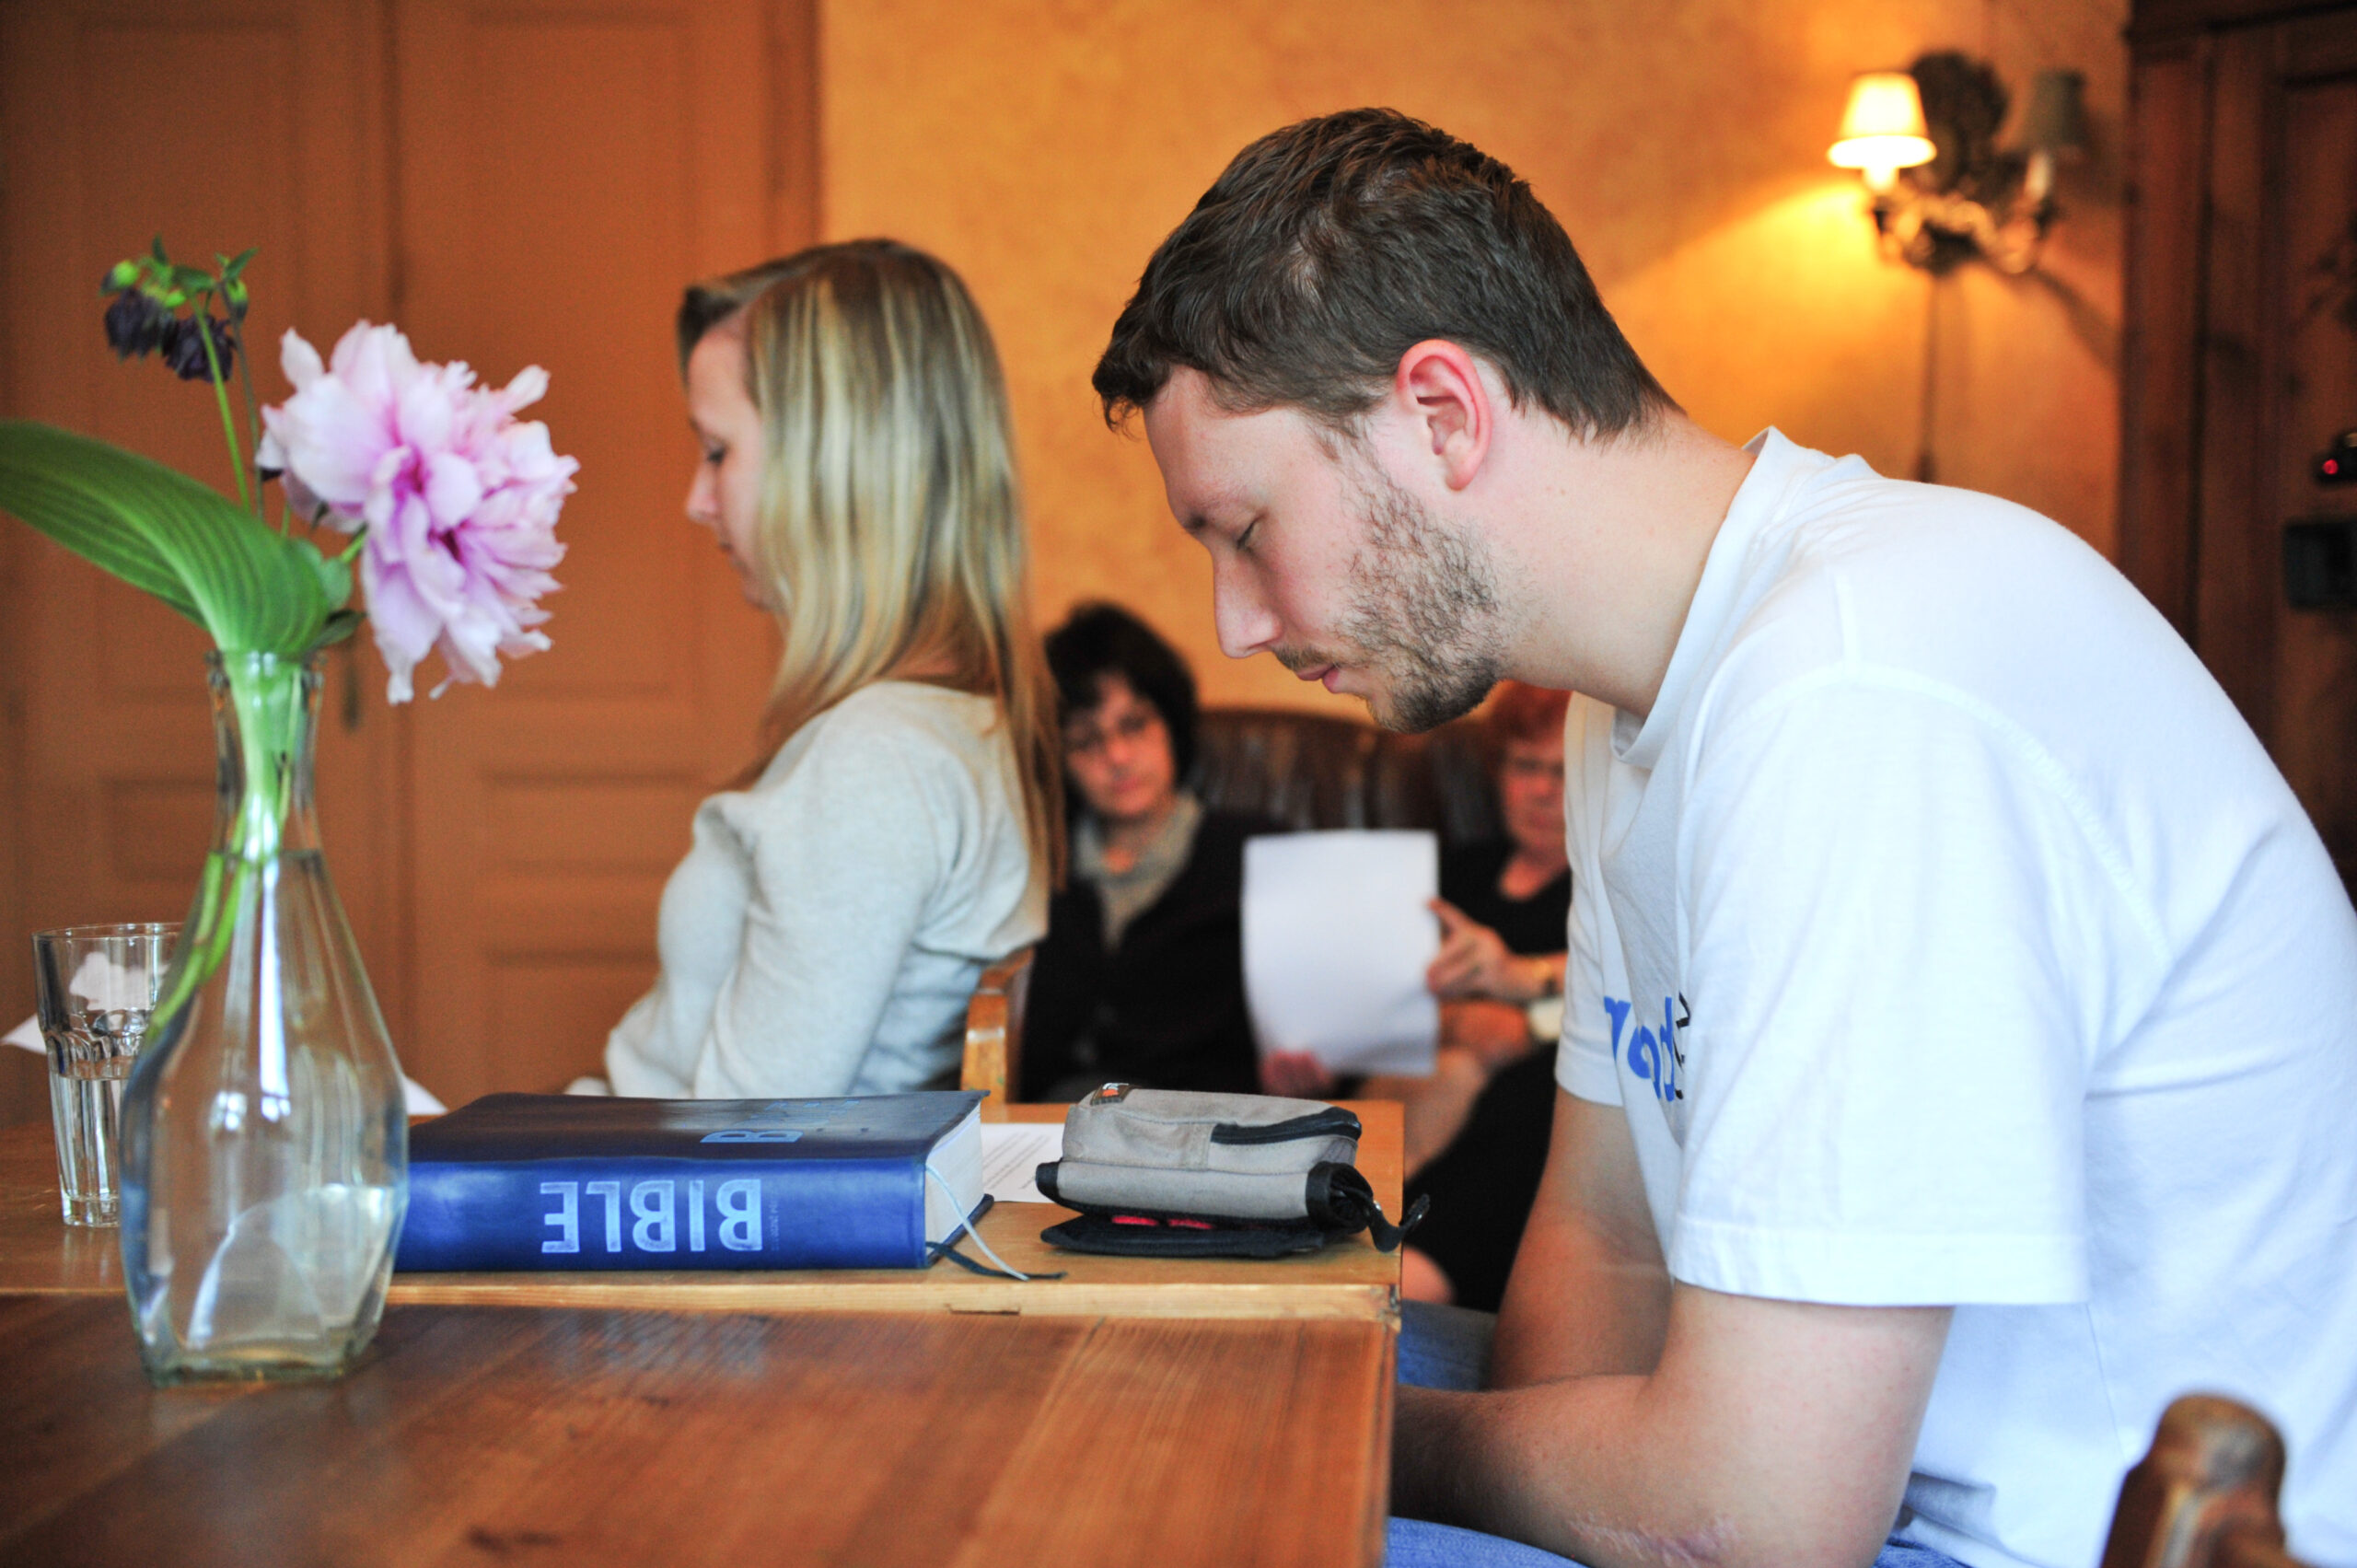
[
  {"x": 513, "y": 182},
  {"x": 2240, "y": 359}
]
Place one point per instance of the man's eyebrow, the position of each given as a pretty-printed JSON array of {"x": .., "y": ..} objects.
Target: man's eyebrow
[{"x": 1195, "y": 522}]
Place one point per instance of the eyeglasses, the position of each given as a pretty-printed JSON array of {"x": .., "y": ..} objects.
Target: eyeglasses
[
  {"x": 1086, "y": 738},
  {"x": 1530, "y": 770}
]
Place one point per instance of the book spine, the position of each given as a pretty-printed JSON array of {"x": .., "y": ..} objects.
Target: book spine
[{"x": 663, "y": 1213}]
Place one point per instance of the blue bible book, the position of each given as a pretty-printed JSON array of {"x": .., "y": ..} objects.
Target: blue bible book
[{"x": 581, "y": 1181}]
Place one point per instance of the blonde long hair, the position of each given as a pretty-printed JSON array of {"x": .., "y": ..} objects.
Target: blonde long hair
[{"x": 892, "y": 523}]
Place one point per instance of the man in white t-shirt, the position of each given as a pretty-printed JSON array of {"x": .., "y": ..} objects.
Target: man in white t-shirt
[{"x": 1961, "y": 1048}]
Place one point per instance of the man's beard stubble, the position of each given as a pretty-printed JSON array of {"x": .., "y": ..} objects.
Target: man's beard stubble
[{"x": 1423, "y": 613}]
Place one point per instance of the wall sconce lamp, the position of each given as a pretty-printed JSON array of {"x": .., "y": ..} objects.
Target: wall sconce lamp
[
  {"x": 1925, "y": 139},
  {"x": 1883, "y": 130}
]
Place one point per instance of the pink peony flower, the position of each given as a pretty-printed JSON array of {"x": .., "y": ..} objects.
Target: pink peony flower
[{"x": 460, "y": 497}]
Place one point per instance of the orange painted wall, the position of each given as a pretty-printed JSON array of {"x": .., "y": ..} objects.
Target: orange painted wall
[{"x": 1044, "y": 146}]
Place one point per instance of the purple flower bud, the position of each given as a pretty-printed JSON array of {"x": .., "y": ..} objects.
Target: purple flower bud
[
  {"x": 137, "y": 325},
  {"x": 183, "y": 346}
]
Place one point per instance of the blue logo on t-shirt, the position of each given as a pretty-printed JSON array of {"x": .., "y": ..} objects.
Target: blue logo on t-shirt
[{"x": 1657, "y": 1058}]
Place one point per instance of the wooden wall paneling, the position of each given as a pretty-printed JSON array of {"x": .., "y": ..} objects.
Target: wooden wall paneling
[
  {"x": 2313, "y": 394},
  {"x": 2239, "y": 575},
  {"x": 24, "y": 1092},
  {"x": 794, "y": 125},
  {"x": 219, "y": 123},
  {"x": 24, "y": 1081},
  {"x": 563, "y": 170},
  {"x": 2252, "y": 170},
  {"x": 2160, "y": 386},
  {"x": 2161, "y": 19}
]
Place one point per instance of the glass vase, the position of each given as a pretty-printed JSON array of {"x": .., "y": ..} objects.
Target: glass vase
[{"x": 265, "y": 1143}]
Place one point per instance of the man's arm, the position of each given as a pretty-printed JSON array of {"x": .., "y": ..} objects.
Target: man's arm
[
  {"x": 1641, "y": 1423},
  {"x": 1589, "y": 1292}
]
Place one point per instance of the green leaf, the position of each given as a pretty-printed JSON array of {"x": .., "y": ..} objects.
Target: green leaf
[
  {"x": 334, "y": 572},
  {"x": 341, "y": 624},
  {"x": 255, "y": 590}
]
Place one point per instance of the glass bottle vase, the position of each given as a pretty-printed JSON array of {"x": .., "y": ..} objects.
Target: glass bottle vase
[{"x": 265, "y": 1143}]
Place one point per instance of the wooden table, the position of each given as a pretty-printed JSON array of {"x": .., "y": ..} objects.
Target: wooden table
[
  {"x": 1350, "y": 1280},
  {"x": 1136, "y": 1411},
  {"x": 596, "y": 1437}
]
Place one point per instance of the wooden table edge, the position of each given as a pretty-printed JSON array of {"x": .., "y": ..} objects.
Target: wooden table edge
[{"x": 1366, "y": 1302}]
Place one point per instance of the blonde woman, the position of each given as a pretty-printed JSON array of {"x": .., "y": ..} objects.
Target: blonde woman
[{"x": 826, "y": 929}]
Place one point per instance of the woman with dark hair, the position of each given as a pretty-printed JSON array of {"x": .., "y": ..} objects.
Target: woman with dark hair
[{"x": 1141, "y": 977}]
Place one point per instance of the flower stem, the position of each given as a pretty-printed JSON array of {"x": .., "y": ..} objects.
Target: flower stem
[
  {"x": 265, "y": 693},
  {"x": 221, "y": 395},
  {"x": 253, "y": 415}
]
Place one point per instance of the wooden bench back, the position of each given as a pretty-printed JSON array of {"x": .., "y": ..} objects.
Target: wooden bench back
[
  {"x": 2205, "y": 1497},
  {"x": 994, "y": 1032}
]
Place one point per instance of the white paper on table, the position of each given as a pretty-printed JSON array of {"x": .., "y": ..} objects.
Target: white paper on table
[
  {"x": 109, "y": 987},
  {"x": 418, "y": 1100},
  {"x": 1011, "y": 1154},
  {"x": 1337, "y": 936}
]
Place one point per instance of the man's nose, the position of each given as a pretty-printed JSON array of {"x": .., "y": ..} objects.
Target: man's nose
[{"x": 1242, "y": 617}]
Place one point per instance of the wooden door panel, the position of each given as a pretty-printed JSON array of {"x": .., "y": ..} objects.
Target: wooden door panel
[
  {"x": 2316, "y": 387},
  {"x": 218, "y": 123},
  {"x": 566, "y": 169},
  {"x": 2238, "y": 369},
  {"x": 2161, "y": 331},
  {"x": 2240, "y": 577}
]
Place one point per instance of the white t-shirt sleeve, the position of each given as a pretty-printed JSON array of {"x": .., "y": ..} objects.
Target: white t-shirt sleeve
[
  {"x": 845, "y": 855},
  {"x": 1895, "y": 950}
]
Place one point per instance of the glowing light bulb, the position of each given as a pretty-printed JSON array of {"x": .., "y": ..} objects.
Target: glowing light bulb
[{"x": 1882, "y": 129}]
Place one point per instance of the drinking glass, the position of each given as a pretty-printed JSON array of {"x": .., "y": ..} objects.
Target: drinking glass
[{"x": 96, "y": 987}]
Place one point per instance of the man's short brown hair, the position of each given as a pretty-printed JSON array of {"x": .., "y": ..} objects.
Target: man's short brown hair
[{"x": 1328, "y": 249}]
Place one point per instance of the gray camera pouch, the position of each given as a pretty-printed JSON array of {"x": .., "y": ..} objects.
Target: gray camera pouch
[{"x": 1167, "y": 1173}]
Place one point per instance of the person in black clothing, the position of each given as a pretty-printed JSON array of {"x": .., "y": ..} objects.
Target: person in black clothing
[
  {"x": 1140, "y": 978},
  {"x": 1504, "y": 906}
]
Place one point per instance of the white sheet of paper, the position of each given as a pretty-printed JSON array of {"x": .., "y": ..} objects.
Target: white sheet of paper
[
  {"x": 106, "y": 986},
  {"x": 1012, "y": 1152},
  {"x": 419, "y": 1099},
  {"x": 1336, "y": 935}
]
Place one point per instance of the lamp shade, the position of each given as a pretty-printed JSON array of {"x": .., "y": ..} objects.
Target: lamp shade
[
  {"x": 1883, "y": 128},
  {"x": 2057, "y": 118}
]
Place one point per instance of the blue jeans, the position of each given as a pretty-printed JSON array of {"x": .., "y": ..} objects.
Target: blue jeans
[{"x": 1448, "y": 1347}]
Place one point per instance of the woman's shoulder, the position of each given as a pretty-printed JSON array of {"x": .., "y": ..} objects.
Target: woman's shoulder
[
  {"x": 897, "y": 723},
  {"x": 1227, "y": 825},
  {"x": 1472, "y": 869},
  {"x": 912, "y": 708},
  {"x": 1220, "y": 835},
  {"x": 893, "y": 742}
]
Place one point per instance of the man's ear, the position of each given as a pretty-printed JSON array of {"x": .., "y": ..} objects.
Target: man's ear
[{"x": 1440, "y": 384}]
